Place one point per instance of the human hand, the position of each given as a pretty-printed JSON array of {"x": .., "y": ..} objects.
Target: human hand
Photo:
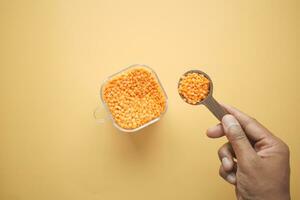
[{"x": 254, "y": 160}]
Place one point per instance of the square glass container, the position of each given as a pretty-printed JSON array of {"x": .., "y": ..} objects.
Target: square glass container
[{"x": 124, "y": 71}]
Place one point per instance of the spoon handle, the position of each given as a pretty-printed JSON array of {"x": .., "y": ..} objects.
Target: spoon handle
[{"x": 215, "y": 108}]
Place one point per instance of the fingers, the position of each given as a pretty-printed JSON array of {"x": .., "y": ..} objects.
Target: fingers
[
  {"x": 254, "y": 130},
  {"x": 237, "y": 137},
  {"x": 226, "y": 156},
  {"x": 228, "y": 167},
  {"x": 230, "y": 177},
  {"x": 243, "y": 118},
  {"x": 215, "y": 132}
]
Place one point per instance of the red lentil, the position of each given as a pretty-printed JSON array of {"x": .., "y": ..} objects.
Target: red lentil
[{"x": 134, "y": 97}]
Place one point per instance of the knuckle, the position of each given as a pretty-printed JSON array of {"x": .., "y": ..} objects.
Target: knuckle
[
  {"x": 234, "y": 128},
  {"x": 236, "y": 132},
  {"x": 240, "y": 137},
  {"x": 282, "y": 146},
  {"x": 285, "y": 148}
]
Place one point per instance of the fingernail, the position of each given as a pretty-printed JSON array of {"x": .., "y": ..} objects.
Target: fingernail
[
  {"x": 231, "y": 178},
  {"x": 229, "y": 120},
  {"x": 226, "y": 163}
]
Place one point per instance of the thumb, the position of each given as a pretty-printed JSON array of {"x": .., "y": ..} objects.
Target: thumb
[{"x": 237, "y": 137}]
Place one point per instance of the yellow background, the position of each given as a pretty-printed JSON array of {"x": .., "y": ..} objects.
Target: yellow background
[{"x": 55, "y": 54}]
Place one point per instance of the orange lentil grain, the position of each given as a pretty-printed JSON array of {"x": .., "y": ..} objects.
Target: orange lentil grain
[
  {"x": 193, "y": 87},
  {"x": 134, "y": 97}
]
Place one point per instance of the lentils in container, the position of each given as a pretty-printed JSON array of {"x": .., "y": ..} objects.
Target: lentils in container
[{"x": 134, "y": 98}]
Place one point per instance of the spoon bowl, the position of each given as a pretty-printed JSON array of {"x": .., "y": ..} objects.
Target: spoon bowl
[{"x": 209, "y": 101}]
